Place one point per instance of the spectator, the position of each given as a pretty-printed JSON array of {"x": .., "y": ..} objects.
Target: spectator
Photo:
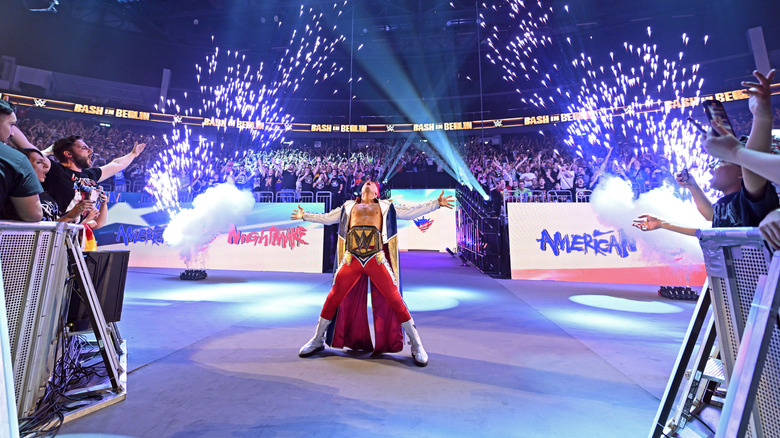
[
  {"x": 73, "y": 178},
  {"x": 579, "y": 186},
  {"x": 747, "y": 197},
  {"x": 523, "y": 192},
  {"x": 51, "y": 212},
  {"x": 19, "y": 185}
]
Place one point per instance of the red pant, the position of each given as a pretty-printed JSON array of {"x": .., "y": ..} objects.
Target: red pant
[{"x": 348, "y": 275}]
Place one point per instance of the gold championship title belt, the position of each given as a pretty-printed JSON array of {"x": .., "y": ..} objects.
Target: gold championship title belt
[{"x": 364, "y": 241}]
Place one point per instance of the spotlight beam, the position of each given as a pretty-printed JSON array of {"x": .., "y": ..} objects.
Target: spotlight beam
[{"x": 383, "y": 63}]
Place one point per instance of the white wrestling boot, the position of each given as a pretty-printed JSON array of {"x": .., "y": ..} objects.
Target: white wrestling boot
[
  {"x": 317, "y": 343},
  {"x": 418, "y": 352}
]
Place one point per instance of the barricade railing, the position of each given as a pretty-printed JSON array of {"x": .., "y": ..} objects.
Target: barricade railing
[
  {"x": 478, "y": 236},
  {"x": 743, "y": 297},
  {"x": 325, "y": 197},
  {"x": 559, "y": 196},
  {"x": 583, "y": 195},
  {"x": 41, "y": 263}
]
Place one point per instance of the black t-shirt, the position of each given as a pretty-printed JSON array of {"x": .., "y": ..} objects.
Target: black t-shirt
[
  {"x": 50, "y": 210},
  {"x": 268, "y": 183},
  {"x": 737, "y": 210},
  {"x": 289, "y": 180},
  {"x": 335, "y": 183},
  {"x": 67, "y": 187},
  {"x": 307, "y": 184},
  {"x": 17, "y": 178}
]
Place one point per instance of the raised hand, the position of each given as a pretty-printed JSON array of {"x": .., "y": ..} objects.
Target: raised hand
[
  {"x": 445, "y": 201},
  {"x": 138, "y": 148},
  {"x": 723, "y": 146},
  {"x": 760, "y": 94},
  {"x": 685, "y": 179}
]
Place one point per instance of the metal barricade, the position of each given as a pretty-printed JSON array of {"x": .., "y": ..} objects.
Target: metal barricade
[
  {"x": 41, "y": 263},
  {"x": 264, "y": 196},
  {"x": 306, "y": 196},
  {"x": 325, "y": 197},
  {"x": 744, "y": 297},
  {"x": 559, "y": 196},
  {"x": 537, "y": 196},
  {"x": 35, "y": 265},
  {"x": 285, "y": 195},
  {"x": 583, "y": 195},
  {"x": 478, "y": 236}
]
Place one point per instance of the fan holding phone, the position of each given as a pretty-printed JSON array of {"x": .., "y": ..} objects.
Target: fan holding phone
[
  {"x": 721, "y": 146},
  {"x": 747, "y": 196},
  {"x": 754, "y": 155}
]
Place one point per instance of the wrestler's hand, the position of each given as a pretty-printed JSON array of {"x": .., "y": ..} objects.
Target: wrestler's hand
[
  {"x": 445, "y": 201},
  {"x": 297, "y": 214},
  {"x": 646, "y": 222}
]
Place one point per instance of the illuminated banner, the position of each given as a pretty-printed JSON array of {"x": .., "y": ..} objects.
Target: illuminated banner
[
  {"x": 267, "y": 241},
  {"x": 434, "y": 231},
  {"x": 537, "y": 120},
  {"x": 567, "y": 242}
]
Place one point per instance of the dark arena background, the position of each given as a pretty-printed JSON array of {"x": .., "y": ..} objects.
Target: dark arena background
[{"x": 545, "y": 305}]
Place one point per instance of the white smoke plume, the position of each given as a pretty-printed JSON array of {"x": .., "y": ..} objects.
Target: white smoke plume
[
  {"x": 613, "y": 202},
  {"x": 213, "y": 212}
]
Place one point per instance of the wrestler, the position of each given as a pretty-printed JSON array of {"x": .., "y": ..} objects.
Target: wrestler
[{"x": 367, "y": 238}]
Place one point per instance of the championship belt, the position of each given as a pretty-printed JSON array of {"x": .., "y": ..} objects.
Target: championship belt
[{"x": 364, "y": 241}]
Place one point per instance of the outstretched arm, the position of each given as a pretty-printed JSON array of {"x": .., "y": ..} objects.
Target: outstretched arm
[
  {"x": 329, "y": 218},
  {"x": 412, "y": 211},
  {"x": 647, "y": 222},
  {"x": 121, "y": 163}
]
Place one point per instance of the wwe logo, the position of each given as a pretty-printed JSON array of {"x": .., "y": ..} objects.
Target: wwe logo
[
  {"x": 363, "y": 242},
  {"x": 287, "y": 126},
  {"x": 497, "y": 123},
  {"x": 176, "y": 119},
  {"x": 40, "y": 102},
  {"x": 390, "y": 128}
]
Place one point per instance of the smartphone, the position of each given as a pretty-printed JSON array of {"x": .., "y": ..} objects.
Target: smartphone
[
  {"x": 684, "y": 175},
  {"x": 698, "y": 125},
  {"x": 714, "y": 108}
]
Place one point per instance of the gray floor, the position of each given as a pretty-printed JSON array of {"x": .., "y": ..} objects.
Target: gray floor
[{"x": 218, "y": 358}]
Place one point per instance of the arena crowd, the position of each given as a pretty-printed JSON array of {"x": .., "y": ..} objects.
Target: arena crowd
[{"x": 525, "y": 167}]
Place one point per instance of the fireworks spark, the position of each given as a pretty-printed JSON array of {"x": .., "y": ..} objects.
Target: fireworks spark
[
  {"x": 250, "y": 97},
  {"x": 617, "y": 96}
]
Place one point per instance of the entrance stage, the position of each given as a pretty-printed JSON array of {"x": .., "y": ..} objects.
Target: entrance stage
[{"x": 218, "y": 357}]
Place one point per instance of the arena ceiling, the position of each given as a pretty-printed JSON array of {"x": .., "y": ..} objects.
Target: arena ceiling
[{"x": 437, "y": 45}]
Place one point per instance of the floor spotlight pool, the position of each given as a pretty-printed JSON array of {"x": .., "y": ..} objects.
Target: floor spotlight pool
[{"x": 625, "y": 304}]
